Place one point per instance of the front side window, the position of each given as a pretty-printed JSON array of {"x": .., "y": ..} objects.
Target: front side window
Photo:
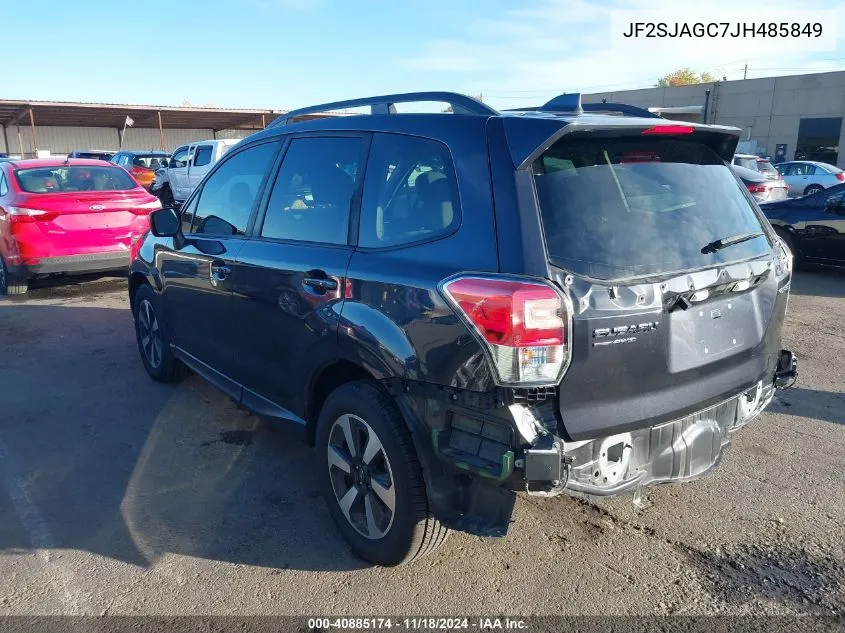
[
  {"x": 202, "y": 156},
  {"x": 227, "y": 198},
  {"x": 634, "y": 207},
  {"x": 410, "y": 192},
  {"x": 312, "y": 196},
  {"x": 179, "y": 158}
]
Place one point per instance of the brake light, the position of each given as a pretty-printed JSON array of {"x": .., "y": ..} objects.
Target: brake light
[
  {"x": 147, "y": 207},
  {"x": 757, "y": 188},
  {"x": 525, "y": 326},
  {"x": 138, "y": 171},
  {"x": 840, "y": 176},
  {"x": 670, "y": 129},
  {"x": 135, "y": 245},
  {"x": 19, "y": 215}
]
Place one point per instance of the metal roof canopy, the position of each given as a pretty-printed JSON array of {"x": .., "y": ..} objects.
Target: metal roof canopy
[{"x": 50, "y": 113}]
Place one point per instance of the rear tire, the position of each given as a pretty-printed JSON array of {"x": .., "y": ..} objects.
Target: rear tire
[
  {"x": 9, "y": 286},
  {"x": 381, "y": 470},
  {"x": 809, "y": 191},
  {"x": 154, "y": 338}
]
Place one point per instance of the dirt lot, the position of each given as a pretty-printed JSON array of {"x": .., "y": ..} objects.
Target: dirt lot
[{"x": 122, "y": 496}]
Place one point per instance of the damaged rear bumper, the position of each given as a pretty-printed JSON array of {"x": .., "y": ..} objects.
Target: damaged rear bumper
[{"x": 680, "y": 450}]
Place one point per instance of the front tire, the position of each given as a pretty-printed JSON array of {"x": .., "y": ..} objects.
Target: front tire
[
  {"x": 165, "y": 196},
  {"x": 154, "y": 338},
  {"x": 372, "y": 479}
]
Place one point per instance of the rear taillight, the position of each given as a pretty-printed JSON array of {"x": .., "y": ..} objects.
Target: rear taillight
[
  {"x": 19, "y": 215},
  {"x": 524, "y": 325},
  {"x": 135, "y": 245},
  {"x": 670, "y": 129},
  {"x": 146, "y": 208},
  {"x": 757, "y": 188},
  {"x": 139, "y": 171},
  {"x": 840, "y": 176}
]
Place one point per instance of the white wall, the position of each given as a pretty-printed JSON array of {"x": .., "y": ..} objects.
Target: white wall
[{"x": 62, "y": 140}]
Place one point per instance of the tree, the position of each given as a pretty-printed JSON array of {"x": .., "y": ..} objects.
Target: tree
[{"x": 684, "y": 77}]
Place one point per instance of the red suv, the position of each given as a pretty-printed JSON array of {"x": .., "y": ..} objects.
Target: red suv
[{"x": 67, "y": 216}]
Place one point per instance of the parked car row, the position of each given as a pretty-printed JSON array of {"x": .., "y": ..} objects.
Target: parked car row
[{"x": 61, "y": 216}]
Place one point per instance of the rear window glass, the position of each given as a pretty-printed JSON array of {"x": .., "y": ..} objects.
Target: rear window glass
[
  {"x": 748, "y": 163},
  {"x": 636, "y": 207},
  {"x": 766, "y": 167},
  {"x": 149, "y": 161},
  {"x": 74, "y": 178}
]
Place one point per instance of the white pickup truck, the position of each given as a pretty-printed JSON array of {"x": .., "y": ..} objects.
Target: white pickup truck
[{"x": 187, "y": 167}]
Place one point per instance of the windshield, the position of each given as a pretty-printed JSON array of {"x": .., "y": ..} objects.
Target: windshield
[
  {"x": 74, "y": 178},
  {"x": 636, "y": 207}
]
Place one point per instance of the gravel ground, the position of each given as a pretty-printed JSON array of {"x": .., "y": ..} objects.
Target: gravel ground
[{"x": 122, "y": 496}]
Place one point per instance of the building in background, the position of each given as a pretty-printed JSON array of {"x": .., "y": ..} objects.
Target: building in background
[
  {"x": 45, "y": 128},
  {"x": 801, "y": 115}
]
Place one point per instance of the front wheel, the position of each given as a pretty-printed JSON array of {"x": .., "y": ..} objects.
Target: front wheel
[
  {"x": 372, "y": 479},
  {"x": 154, "y": 338},
  {"x": 165, "y": 196}
]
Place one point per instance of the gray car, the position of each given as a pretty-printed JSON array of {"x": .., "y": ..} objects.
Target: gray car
[{"x": 806, "y": 177}]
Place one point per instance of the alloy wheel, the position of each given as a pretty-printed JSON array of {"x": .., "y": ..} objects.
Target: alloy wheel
[
  {"x": 148, "y": 331},
  {"x": 361, "y": 477}
]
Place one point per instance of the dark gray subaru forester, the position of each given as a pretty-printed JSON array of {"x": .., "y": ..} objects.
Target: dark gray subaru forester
[{"x": 453, "y": 308}]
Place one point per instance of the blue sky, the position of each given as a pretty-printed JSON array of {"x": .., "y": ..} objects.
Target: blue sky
[{"x": 287, "y": 53}]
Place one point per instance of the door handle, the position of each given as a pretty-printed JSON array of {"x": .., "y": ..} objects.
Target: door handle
[
  {"x": 219, "y": 271},
  {"x": 316, "y": 283}
]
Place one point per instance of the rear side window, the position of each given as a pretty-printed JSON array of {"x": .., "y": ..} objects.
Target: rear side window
[
  {"x": 4, "y": 188},
  {"x": 638, "y": 207},
  {"x": 149, "y": 161},
  {"x": 74, "y": 178},
  {"x": 748, "y": 163},
  {"x": 410, "y": 192},
  {"x": 227, "y": 197},
  {"x": 312, "y": 197},
  {"x": 202, "y": 156}
]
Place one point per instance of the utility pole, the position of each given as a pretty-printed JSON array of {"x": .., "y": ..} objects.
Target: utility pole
[{"x": 745, "y": 72}]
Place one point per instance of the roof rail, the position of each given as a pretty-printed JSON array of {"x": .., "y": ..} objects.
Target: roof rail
[{"x": 385, "y": 104}]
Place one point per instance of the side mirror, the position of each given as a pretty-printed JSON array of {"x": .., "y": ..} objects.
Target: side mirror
[{"x": 165, "y": 223}]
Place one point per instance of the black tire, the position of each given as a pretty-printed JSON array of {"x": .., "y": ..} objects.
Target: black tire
[
  {"x": 809, "y": 191},
  {"x": 411, "y": 532},
  {"x": 165, "y": 196},
  {"x": 790, "y": 243},
  {"x": 9, "y": 286},
  {"x": 158, "y": 359}
]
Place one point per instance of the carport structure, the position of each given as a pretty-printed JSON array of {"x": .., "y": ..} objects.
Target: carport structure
[{"x": 23, "y": 120}]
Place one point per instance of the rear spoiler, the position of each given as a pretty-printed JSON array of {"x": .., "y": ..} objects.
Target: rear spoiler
[{"x": 529, "y": 137}]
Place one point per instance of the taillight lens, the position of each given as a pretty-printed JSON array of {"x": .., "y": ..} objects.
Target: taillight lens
[
  {"x": 669, "y": 129},
  {"x": 147, "y": 207},
  {"x": 757, "y": 188},
  {"x": 18, "y": 215},
  {"x": 524, "y": 325},
  {"x": 840, "y": 176},
  {"x": 137, "y": 171},
  {"x": 135, "y": 245}
]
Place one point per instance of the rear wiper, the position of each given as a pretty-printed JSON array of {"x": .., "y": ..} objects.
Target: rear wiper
[{"x": 718, "y": 245}]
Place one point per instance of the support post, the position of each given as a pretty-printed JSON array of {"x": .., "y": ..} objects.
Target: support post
[
  {"x": 263, "y": 122},
  {"x": 160, "y": 132},
  {"x": 34, "y": 135},
  {"x": 8, "y": 149},
  {"x": 20, "y": 139}
]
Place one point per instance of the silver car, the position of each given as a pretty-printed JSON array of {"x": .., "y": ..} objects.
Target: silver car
[
  {"x": 805, "y": 177},
  {"x": 756, "y": 163}
]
